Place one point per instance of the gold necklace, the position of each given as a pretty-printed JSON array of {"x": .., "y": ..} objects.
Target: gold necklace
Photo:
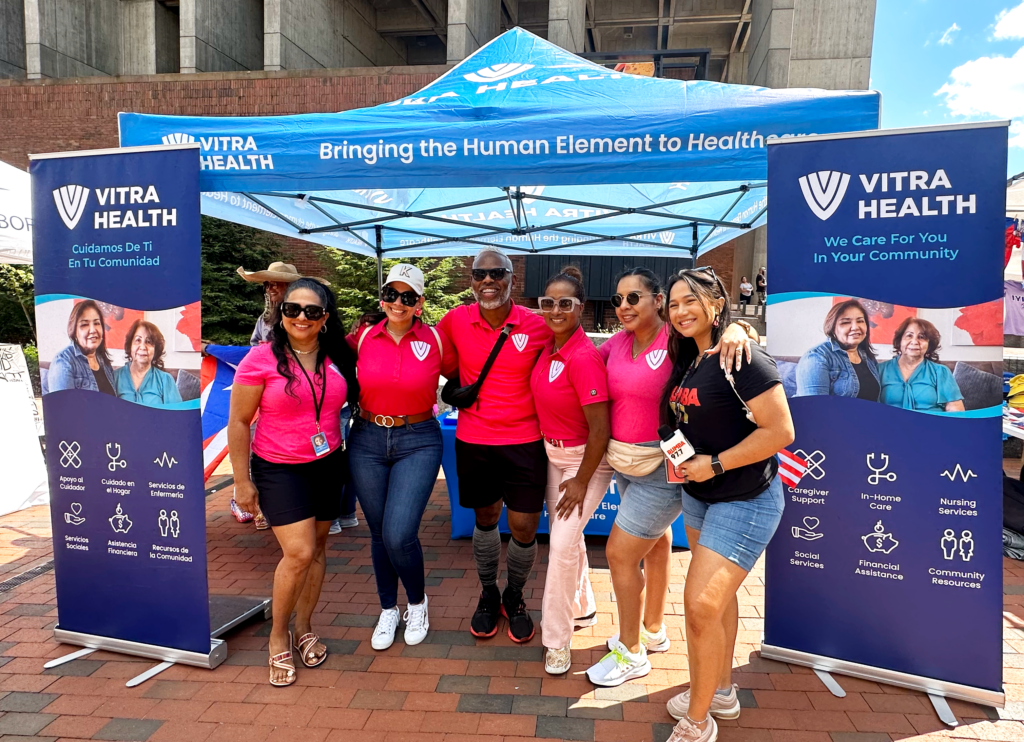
[
  {"x": 304, "y": 352},
  {"x": 645, "y": 347},
  {"x": 396, "y": 338}
]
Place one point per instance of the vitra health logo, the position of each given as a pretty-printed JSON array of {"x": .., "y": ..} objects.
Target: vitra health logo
[
  {"x": 823, "y": 191},
  {"x": 498, "y": 72},
  {"x": 71, "y": 200},
  {"x": 177, "y": 138}
]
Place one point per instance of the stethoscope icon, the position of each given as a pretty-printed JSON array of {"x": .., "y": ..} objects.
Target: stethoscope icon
[
  {"x": 114, "y": 462},
  {"x": 878, "y": 476}
]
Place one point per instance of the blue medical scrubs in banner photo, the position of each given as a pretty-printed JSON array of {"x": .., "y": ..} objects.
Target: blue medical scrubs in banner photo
[
  {"x": 117, "y": 234},
  {"x": 886, "y": 249}
]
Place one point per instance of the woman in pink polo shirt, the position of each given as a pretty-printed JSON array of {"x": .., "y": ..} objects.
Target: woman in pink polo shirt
[
  {"x": 395, "y": 448},
  {"x": 570, "y": 391},
  {"x": 638, "y": 369},
  {"x": 299, "y": 382}
]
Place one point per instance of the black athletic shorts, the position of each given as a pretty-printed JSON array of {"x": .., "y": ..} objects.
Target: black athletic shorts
[
  {"x": 289, "y": 493},
  {"x": 516, "y": 473}
]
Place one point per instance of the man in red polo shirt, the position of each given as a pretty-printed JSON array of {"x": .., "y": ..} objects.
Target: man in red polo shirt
[{"x": 499, "y": 452}]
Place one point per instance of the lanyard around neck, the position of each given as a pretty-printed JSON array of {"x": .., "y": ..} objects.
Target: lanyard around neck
[{"x": 317, "y": 405}]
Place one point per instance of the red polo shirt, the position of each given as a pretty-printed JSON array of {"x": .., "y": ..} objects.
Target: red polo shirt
[
  {"x": 563, "y": 383},
  {"x": 398, "y": 379},
  {"x": 504, "y": 413}
]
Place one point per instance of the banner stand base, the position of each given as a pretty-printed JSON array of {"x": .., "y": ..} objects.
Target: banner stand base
[
  {"x": 942, "y": 708},
  {"x": 930, "y": 686},
  {"x": 226, "y": 612}
]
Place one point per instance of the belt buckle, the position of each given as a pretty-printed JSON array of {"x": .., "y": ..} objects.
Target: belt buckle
[{"x": 384, "y": 421}]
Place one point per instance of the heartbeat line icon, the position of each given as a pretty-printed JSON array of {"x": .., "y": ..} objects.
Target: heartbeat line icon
[
  {"x": 958, "y": 472},
  {"x": 165, "y": 460}
]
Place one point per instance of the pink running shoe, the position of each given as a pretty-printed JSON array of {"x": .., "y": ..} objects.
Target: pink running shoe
[{"x": 242, "y": 516}]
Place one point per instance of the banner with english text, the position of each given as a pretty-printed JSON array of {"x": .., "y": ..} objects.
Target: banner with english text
[
  {"x": 117, "y": 275},
  {"x": 885, "y": 255}
]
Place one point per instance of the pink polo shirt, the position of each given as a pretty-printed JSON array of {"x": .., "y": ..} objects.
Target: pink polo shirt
[
  {"x": 398, "y": 379},
  {"x": 635, "y": 386},
  {"x": 286, "y": 423},
  {"x": 563, "y": 383},
  {"x": 504, "y": 413}
]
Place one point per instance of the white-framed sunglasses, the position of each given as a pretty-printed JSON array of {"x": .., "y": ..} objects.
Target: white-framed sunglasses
[{"x": 565, "y": 304}]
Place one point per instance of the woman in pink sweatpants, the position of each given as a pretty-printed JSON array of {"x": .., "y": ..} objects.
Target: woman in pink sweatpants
[{"x": 570, "y": 390}]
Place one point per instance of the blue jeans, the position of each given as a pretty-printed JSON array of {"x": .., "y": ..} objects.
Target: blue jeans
[
  {"x": 392, "y": 472},
  {"x": 348, "y": 498}
]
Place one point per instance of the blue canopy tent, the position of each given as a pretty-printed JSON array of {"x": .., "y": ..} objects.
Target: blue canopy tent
[{"x": 524, "y": 146}]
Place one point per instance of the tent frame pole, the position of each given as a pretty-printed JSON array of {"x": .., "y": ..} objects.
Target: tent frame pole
[{"x": 380, "y": 258}]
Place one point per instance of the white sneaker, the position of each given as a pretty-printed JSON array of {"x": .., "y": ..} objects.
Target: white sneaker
[
  {"x": 618, "y": 666},
  {"x": 658, "y": 642},
  {"x": 416, "y": 623},
  {"x": 384, "y": 635},
  {"x": 585, "y": 621},
  {"x": 349, "y": 522},
  {"x": 335, "y": 528},
  {"x": 557, "y": 661},
  {"x": 723, "y": 706},
  {"x": 686, "y": 731}
]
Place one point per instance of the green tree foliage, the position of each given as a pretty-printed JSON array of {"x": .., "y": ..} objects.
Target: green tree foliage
[
  {"x": 231, "y": 305},
  {"x": 17, "y": 304},
  {"x": 354, "y": 280}
]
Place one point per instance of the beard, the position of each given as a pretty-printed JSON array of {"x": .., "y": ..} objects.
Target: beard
[{"x": 494, "y": 303}]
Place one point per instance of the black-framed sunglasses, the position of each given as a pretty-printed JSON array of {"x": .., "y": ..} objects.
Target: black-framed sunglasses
[
  {"x": 565, "y": 304},
  {"x": 632, "y": 298},
  {"x": 389, "y": 295},
  {"x": 496, "y": 274},
  {"x": 313, "y": 312}
]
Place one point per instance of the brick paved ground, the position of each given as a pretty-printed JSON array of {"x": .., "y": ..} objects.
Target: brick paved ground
[{"x": 449, "y": 689}]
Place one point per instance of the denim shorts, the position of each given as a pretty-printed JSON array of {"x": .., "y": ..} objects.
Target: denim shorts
[
  {"x": 738, "y": 530},
  {"x": 648, "y": 505}
]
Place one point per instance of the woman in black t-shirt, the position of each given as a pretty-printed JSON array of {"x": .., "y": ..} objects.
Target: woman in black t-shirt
[{"x": 732, "y": 495}]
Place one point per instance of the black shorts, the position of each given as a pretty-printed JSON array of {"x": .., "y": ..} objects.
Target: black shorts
[
  {"x": 516, "y": 473},
  {"x": 289, "y": 493}
]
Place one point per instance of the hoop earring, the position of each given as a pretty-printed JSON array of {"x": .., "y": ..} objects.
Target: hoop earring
[{"x": 323, "y": 328}]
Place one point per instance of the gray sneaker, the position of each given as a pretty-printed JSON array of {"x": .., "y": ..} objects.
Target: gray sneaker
[
  {"x": 619, "y": 666},
  {"x": 722, "y": 706},
  {"x": 686, "y": 731}
]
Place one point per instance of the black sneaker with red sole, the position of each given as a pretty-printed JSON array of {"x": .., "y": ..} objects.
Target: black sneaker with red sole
[
  {"x": 488, "y": 610},
  {"x": 520, "y": 623}
]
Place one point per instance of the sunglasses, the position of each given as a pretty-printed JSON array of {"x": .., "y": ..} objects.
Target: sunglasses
[
  {"x": 389, "y": 295},
  {"x": 313, "y": 312},
  {"x": 565, "y": 304},
  {"x": 632, "y": 298},
  {"x": 496, "y": 274}
]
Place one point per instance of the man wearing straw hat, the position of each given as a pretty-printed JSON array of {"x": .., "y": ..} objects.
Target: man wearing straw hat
[{"x": 275, "y": 280}]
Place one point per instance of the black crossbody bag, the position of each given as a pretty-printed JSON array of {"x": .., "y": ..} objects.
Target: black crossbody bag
[{"x": 464, "y": 396}]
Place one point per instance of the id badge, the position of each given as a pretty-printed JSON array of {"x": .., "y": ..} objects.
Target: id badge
[{"x": 320, "y": 444}]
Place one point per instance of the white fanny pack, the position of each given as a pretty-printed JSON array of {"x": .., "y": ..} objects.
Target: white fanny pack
[{"x": 633, "y": 460}]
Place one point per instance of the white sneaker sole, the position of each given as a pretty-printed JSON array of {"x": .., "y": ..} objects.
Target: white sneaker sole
[
  {"x": 660, "y": 647},
  {"x": 556, "y": 670},
  {"x": 636, "y": 672},
  {"x": 412, "y": 641},
  {"x": 729, "y": 713},
  {"x": 381, "y": 647}
]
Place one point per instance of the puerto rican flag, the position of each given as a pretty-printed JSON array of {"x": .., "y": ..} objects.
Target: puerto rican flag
[
  {"x": 791, "y": 468},
  {"x": 216, "y": 377}
]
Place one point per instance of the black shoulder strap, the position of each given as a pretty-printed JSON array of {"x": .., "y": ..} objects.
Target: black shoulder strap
[{"x": 494, "y": 354}]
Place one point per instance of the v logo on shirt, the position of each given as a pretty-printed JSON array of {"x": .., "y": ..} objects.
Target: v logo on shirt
[
  {"x": 554, "y": 370},
  {"x": 656, "y": 357},
  {"x": 420, "y": 349},
  {"x": 520, "y": 340}
]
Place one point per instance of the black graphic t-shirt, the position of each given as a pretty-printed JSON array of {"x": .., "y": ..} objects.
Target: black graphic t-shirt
[{"x": 713, "y": 420}]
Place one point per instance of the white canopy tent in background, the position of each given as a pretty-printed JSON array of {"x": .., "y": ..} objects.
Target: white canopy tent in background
[{"x": 15, "y": 216}]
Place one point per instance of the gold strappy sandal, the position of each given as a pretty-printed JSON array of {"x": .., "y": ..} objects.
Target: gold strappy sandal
[
  {"x": 278, "y": 661},
  {"x": 305, "y": 646}
]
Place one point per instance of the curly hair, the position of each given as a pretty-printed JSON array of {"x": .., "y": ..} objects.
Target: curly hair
[
  {"x": 332, "y": 341},
  {"x": 931, "y": 334},
  {"x": 158, "y": 341}
]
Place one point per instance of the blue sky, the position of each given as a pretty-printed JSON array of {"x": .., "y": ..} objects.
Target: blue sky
[{"x": 951, "y": 61}]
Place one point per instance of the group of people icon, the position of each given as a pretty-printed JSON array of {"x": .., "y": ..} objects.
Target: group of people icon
[
  {"x": 171, "y": 524},
  {"x": 950, "y": 545}
]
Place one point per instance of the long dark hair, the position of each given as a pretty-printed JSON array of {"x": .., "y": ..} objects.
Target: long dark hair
[
  {"x": 332, "y": 340},
  {"x": 76, "y": 314},
  {"x": 832, "y": 319},
  {"x": 682, "y": 351}
]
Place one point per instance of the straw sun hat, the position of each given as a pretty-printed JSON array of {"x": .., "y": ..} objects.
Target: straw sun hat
[{"x": 277, "y": 271}]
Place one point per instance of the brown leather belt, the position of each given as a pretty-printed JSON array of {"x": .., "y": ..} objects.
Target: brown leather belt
[{"x": 395, "y": 421}]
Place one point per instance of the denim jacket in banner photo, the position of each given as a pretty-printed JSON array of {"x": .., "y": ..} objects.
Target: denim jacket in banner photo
[
  {"x": 826, "y": 369},
  {"x": 69, "y": 369}
]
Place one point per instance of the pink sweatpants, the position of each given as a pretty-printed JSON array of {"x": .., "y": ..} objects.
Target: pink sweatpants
[{"x": 567, "y": 591}]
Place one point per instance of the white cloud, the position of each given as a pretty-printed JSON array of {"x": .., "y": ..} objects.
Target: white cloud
[
  {"x": 989, "y": 87},
  {"x": 1010, "y": 23},
  {"x": 947, "y": 37}
]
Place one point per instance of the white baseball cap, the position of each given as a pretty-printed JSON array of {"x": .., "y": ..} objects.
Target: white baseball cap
[{"x": 406, "y": 273}]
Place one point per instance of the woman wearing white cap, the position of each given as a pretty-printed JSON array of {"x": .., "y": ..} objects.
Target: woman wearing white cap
[{"x": 395, "y": 447}]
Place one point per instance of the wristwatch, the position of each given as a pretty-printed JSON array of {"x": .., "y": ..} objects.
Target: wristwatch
[{"x": 716, "y": 465}]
